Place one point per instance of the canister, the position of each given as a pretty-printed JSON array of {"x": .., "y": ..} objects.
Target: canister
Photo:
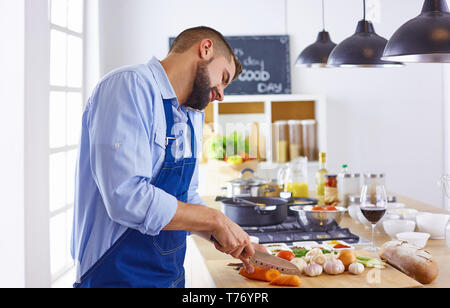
[
  {"x": 295, "y": 139},
  {"x": 309, "y": 142},
  {"x": 281, "y": 141}
]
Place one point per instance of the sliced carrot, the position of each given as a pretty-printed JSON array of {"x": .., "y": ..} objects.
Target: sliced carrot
[
  {"x": 287, "y": 280},
  {"x": 261, "y": 274}
]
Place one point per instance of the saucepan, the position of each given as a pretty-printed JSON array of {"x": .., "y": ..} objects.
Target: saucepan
[
  {"x": 256, "y": 211},
  {"x": 248, "y": 185}
]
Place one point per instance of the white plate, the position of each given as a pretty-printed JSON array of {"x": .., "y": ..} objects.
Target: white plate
[
  {"x": 306, "y": 245},
  {"x": 276, "y": 247}
]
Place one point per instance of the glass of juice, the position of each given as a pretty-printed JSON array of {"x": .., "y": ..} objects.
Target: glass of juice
[{"x": 373, "y": 207}]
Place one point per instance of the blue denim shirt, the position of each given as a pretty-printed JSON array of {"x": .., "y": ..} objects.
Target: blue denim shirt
[{"x": 123, "y": 143}]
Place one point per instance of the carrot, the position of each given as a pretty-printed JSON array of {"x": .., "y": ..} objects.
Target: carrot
[
  {"x": 261, "y": 274},
  {"x": 287, "y": 280}
]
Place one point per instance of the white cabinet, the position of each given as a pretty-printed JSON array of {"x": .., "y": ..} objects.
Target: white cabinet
[{"x": 266, "y": 109}]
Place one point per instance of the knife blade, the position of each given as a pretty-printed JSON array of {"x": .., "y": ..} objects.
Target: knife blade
[{"x": 267, "y": 261}]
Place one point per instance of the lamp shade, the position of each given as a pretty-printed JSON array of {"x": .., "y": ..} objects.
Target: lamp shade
[
  {"x": 316, "y": 55},
  {"x": 425, "y": 38},
  {"x": 363, "y": 49}
]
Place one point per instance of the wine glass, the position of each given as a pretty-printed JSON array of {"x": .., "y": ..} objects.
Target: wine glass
[{"x": 373, "y": 207}]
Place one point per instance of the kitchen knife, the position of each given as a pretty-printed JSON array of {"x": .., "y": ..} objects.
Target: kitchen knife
[{"x": 267, "y": 261}]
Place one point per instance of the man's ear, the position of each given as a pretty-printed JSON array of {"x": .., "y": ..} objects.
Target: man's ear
[{"x": 206, "y": 49}]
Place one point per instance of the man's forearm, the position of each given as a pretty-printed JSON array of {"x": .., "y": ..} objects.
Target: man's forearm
[{"x": 194, "y": 218}]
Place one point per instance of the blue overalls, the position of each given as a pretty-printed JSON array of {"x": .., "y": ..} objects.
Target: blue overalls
[{"x": 142, "y": 261}]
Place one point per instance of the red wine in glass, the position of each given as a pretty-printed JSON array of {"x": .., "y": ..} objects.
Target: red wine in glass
[
  {"x": 373, "y": 208},
  {"x": 373, "y": 214}
]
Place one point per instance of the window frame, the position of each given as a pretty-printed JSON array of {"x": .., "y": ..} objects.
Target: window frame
[{"x": 66, "y": 149}]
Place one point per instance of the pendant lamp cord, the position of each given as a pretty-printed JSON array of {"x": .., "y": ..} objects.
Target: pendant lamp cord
[
  {"x": 364, "y": 8},
  {"x": 323, "y": 14}
]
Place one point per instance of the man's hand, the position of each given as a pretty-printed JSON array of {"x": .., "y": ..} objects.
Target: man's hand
[
  {"x": 229, "y": 237},
  {"x": 248, "y": 267},
  {"x": 232, "y": 240}
]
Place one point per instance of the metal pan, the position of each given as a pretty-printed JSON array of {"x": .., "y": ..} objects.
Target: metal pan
[{"x": 256, "y": 211}]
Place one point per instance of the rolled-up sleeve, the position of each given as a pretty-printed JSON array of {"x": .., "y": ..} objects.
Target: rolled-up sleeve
[{"x": 121, "y": 156}]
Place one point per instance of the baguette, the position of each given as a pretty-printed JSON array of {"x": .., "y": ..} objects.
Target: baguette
[{"x": 411, "y": 260}]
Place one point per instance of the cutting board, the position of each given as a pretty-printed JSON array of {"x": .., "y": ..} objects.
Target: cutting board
[{"x": 389, "y": 277}]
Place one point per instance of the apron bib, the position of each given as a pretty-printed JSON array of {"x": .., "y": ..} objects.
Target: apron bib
[{"x": 142, "y": 261}]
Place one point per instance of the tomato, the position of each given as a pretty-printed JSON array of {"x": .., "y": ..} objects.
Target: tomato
[
  {"x": 330, "y": 208},
  {"x": 340, "y": 246},
  {"x": 287, "y": 255}
]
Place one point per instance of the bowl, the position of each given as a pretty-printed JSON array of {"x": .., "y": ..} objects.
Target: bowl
[
  {"x": 395, "y": 205},
  {"x": 404, "y": 213},
  {"x": 434, "y": 224},
  {"x": 318, "y": 221},
  {"x": 353, "y": 211},
  {"x": 393, "y": 227},
  {"x": 418, "y": 239}
]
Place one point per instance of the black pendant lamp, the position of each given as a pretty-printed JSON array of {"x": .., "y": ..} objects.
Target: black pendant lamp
[
  {"x": 363, "y": 49},
  {"x": 316, "y": 55},
  {"x": 424, "y": 39}
]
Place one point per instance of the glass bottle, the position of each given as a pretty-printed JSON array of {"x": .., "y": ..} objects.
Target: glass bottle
[
  {"x": 320, "y": 179},
  {"x": 331, "y": 190}
]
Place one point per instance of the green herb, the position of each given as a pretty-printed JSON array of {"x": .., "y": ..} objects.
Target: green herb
[
  {"x": 371, "y": 262},
  {"x": 299, "y": 253}
]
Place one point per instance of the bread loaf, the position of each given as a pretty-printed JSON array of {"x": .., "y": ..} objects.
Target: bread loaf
[{"x": 411, "y": 260}]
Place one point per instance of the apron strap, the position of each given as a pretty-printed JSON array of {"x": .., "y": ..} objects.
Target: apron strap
[
  {"x": 170, "y": 137},
  {"x": 193, "y": 139}
]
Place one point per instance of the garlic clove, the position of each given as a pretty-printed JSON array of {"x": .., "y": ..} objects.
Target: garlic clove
[{"x": 356, "y": 268}]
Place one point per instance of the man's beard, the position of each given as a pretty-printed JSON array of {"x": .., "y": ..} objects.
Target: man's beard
[{"x": 200, "y": 95}]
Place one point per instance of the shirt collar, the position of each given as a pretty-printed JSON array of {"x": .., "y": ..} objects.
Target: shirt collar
[{"x": 162, "y": 80}]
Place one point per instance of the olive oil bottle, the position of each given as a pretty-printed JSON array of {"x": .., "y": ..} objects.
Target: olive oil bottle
[{"x": 320, "y": 179}]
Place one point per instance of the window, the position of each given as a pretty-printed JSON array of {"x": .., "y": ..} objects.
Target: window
[{"x": 65, "y": 105}]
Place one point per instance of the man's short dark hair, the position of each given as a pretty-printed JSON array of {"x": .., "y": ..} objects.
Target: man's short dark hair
[{"x": 191, "y": 36}]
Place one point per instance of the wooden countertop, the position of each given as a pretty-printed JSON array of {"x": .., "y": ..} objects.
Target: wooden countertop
[{"x": 215, "y": 261}]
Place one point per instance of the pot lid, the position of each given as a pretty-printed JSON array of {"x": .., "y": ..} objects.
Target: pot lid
[{"x": 248, "y": 178}]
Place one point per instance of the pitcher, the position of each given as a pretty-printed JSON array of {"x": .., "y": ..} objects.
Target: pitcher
[{"x": 294, "y": 177}]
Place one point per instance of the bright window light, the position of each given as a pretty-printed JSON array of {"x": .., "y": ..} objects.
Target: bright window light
[{"x": 65, "y": 115}]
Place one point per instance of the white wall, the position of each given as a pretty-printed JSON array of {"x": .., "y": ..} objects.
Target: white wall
[
  {"x": 37, "y": 76},
  {"x": 388, "y": 120},
  {"x": 133, "y": 31},
  {"x": 12, "y": 239}
]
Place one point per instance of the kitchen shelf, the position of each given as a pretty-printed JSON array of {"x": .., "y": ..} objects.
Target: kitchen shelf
[{"x": 267, "y": 109}]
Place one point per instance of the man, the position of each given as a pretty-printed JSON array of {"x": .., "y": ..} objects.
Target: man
[{"x": 137, "y": 173}]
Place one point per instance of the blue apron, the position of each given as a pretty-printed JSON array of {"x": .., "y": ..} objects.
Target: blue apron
[{"x": 142, "y": 261}]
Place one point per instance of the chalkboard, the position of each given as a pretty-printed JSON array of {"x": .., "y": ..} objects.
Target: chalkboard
[{"x": 265, "y": 62}]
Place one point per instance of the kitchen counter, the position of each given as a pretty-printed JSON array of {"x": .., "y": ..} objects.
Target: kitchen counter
[{"x": 206, "y": 267}]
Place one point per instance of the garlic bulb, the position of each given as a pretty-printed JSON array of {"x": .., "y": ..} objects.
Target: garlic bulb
[
  {"x": 334, "y": 266},
  {"x": 356, "y": 268},
  {"x": 300, "y": 263},
  {"x": 313, "y": 269},
  {"x": 316, "y": 255}
]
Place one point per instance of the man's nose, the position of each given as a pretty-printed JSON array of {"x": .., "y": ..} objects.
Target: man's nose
[{"x": 220, "y": 95}]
